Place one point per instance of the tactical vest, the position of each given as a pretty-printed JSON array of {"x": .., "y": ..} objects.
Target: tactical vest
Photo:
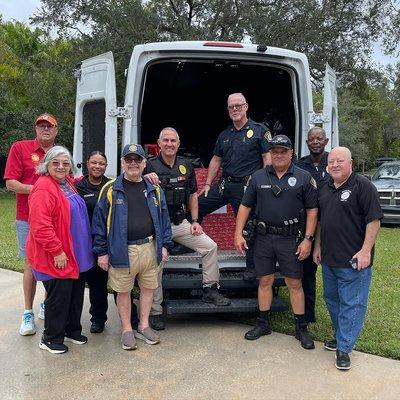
[{"x": 173, "y": 182}]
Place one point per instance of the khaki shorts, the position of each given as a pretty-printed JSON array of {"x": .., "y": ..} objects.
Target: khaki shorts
[{"x": 142, "y": 263}]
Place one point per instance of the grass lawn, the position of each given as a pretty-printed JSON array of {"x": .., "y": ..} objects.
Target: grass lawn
[{"x": 380, "y": 335}]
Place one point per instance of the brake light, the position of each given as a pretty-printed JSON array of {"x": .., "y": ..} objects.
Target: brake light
[{"x": 223, "y": 44}]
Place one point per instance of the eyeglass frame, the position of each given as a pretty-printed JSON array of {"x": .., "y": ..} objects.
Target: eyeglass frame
[{"x": 236, "y": 106}]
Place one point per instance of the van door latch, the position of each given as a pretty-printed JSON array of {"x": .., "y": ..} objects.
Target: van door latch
[
  {"x": 119, "y": 112},
  {"x": 317, "y": 118}
]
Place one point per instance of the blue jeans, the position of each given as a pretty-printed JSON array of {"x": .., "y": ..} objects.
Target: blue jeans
[{"x": 346, "y": 296}]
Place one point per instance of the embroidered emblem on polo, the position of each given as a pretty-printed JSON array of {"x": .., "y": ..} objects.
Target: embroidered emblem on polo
[
  {"x": 182, "y": 169},
  {"x": 292, "y": 181},
  {"x": 345, "y": 195},
  {"x": 250, "y": 133},
  {"x": 35, "y": 158}
]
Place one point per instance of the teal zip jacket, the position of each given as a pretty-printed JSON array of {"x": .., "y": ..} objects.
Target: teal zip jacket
[{"x": 110, "y": 222}]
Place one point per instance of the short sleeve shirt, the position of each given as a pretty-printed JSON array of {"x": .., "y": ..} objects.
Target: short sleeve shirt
[
  {"x": 344, "y": 213},
  {"x": 319, "y": 172},
  {"x": 241, "y": 150},
  {"x": 298, "y": 191},
  {"x": 22, "y": 160}
]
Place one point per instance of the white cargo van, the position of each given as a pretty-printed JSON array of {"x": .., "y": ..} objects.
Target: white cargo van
[{"x": 185, "y": 85}]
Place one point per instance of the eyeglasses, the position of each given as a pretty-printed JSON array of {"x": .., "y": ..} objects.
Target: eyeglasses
[
  {"x": 43, "y": 127},
  {"x": 236, "y": 106},
  {"x": 56, "y": 164},
  {"x": 130, "y": 160}
]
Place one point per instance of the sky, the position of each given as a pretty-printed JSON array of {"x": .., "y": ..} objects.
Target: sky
[{"x": 21, "y": 10}]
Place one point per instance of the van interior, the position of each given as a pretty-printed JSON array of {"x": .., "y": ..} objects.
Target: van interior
[{"x": 191, "y": 96}]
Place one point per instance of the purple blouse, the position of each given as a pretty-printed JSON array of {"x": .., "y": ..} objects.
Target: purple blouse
[{"x": 80, "y": 232}]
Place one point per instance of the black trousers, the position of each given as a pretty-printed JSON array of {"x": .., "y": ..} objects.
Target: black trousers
[
  {"x": 97, "y": 279},
  {"x": 309, "y": 288},
  {"x": 232, "y": 194},
  {"x": 63, "y": 308}
]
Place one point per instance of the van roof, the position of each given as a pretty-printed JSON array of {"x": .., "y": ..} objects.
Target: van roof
[{"x": 211, "y": 46}]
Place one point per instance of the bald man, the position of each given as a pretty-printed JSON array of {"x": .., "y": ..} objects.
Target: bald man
[{"x": 349, "y": 223}]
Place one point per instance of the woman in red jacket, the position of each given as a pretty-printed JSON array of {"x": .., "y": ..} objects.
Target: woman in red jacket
[{"x": 59, "y": 249}]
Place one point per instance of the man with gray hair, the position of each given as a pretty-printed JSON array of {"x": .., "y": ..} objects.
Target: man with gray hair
[
  {"x": 177, "y": 179},
  {"x": 350, "y": 215},
  {"x": 241, "y": 149},
  {"x": 20, "y": 175}
]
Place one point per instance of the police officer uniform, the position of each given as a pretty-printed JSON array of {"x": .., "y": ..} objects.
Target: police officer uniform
[
  {"x": 321, "y": 175},
  {"x": 280, "y": 210},
  {"x": 178, "y": 183},
  {"x": 279, "y": 206},
  {"x": 241, "y": 153}
]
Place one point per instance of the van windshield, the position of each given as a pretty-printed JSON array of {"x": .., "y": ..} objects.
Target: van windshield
[{"x": 190, "y": 95}]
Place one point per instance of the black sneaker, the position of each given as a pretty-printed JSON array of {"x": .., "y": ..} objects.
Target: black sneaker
[
  {"x": 96, "y": 327},
  {"x": 330, "y": 345},
  {"x": 77, "y": 339},
  {"x": 342, "y": 360},
  {"x": 258, "y": 331},
  {"x": 53, "y": 348},
  {"x": 305, "y": 339},
  {"x": 211, "y": 295},
  {"x": 156, "y": 322}
]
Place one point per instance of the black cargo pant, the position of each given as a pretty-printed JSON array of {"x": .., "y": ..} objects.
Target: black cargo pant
[
  {"x": 232, "y": 194},
  {"x": 63, "y": 308},
  {"x": 309, "y": 287}
]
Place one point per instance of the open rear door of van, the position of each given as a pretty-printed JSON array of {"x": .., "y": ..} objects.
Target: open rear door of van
[
  {"x": 330, "y": 108},
  {"x": 95, "y": 112}
]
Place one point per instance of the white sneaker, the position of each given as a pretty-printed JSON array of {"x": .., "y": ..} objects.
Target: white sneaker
[
  {"x": 28, "y": 324},
  {"x": 41, "y": 311}
]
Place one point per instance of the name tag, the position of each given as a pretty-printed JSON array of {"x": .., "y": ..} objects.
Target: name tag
[
  {"x": 88, "y": 195},
  {"x": 265, "y": 187}
]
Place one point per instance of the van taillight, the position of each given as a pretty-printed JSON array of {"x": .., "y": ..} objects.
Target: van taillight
[{"x": 223, "y": 44}]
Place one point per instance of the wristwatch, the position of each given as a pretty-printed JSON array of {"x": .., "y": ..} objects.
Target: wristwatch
[{"x": 309, "y": 237}]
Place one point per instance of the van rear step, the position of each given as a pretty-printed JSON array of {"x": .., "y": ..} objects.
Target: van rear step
[
  {"x": 228, "y": 280},
  {"x": 197, "y": 306}
]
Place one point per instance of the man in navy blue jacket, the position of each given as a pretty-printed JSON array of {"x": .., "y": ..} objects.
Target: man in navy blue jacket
[{"x": 132, "y": 235}]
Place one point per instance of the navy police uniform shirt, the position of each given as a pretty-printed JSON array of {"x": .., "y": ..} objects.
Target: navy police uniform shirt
[
  {"x": 344, "y": 214},
  {"x": 241, "y": 150},
  {"x": 319, "y": 172},
  {"x": 298, "y": 191}
]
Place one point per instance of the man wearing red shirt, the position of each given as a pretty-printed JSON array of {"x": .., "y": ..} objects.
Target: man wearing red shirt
[{"x": 20, "y": 175}]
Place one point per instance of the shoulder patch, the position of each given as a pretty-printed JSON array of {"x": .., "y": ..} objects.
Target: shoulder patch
[
  {"x": 268, "y": 136},
  {"x": 313, "y": 183}
]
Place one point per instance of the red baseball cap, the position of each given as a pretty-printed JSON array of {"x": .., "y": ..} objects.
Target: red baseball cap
[{"x": 47, "y": 118}]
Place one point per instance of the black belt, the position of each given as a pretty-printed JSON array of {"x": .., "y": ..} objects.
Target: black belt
[
  {"x": 236, "y": 179},
  {"x": 264, "y": 229},
  {"x": 138, "y": 242}
]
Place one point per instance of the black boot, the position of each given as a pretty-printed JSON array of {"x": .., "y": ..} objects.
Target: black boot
[
  {"x": 157, "y": 322},
  {"x": 262, "y": 328},
  {"x": 342, "y": 360},
  {"x": 211, "y": 295},
  {"x": 302, "y": 333}
]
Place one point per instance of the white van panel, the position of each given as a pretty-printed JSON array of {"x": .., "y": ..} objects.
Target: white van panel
[
  {"x": 331, "y": 109},
  {"x": 96, "y": 81},
  {"x": 292, "y": 61}
]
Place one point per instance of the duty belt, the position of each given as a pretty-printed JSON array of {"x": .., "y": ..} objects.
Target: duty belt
[
  {"x": 287, "y": 229},
  {"x": 138, "y": 242},
  {"x": 235, "y": 179}
]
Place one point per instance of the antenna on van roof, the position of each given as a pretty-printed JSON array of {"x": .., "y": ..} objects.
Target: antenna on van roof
[{"x": 262, "y": 48}]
